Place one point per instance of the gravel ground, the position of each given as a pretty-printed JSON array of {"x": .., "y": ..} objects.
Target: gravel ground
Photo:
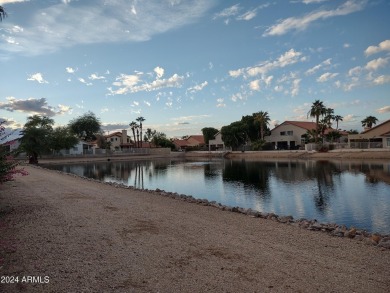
[{"x": 59, "y": 233}]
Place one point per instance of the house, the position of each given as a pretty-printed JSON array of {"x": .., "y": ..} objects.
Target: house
[
  {"x": 216, "y": 143},
  {"x": 81, "y": 148},
  {"x": 291, "y": 134},
  {"x": 11, "y": 145},
  {"x": 191, "y": 142},
  {"x": 119, "y": 140},
  {"x": 375, "y": 137}
]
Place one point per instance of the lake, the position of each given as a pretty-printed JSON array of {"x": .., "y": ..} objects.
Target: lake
[{"x": 352, "y": 193}]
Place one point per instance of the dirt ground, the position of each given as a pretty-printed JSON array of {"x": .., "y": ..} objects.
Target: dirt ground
[{"x": 61, "y": 233}]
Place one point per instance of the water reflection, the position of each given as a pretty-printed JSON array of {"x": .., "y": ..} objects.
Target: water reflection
[{"x": 353, "y": 193}]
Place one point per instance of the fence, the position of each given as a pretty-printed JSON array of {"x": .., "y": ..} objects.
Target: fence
[{"x": 365, "y": 145}]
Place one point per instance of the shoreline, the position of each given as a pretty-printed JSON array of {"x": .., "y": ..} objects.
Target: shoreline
[
  {"x": 87, "y": 235},
  {"x": 374, "y": 154}
]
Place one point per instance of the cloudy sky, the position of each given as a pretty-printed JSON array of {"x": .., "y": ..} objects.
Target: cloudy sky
[{"x": 184, "y": 65}]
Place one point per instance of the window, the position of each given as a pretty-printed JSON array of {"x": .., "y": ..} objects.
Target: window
[
  {"x": 283, "y": 133},
  {"x": 112, "y": 139},
  {"x": 76, "y": 149},
  {"x": 388, "y": 141}
]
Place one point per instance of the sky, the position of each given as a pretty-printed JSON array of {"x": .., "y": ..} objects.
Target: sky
[{"x": 184, "y": 65}]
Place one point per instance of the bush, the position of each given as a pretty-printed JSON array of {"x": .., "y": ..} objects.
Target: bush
[{"x": 7, "y": 162}]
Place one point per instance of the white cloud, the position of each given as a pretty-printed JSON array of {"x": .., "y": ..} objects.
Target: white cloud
[
  {"x": 295, "y": 87},
  {"x": 301, "y": 23},
  {"x": 255, "y": 85},
  {"x": 82, "y": 80},
  {"x": 197, "y": 88},
  {"x": 349, "y": 118},
  {"x": 159, "y": 71},
  {"x": 2, "y": 2},
  {"x": 220, "y": 103},
  {"x": 228, "y": 12},
  {"x": 319, "y": 66},
  {"x": 312, "y": 1},
  {"x": 288, "y": 58},
  {"x": 385, "y": 109},
  {"x": 248, "y": 15},
  {"x": 356, "y": 71},
  {"x": 326, "y": 76},
  {"x": 383, "y": 46},
  {"x": 94, "y": 76},
  {"x": 382, "y": 79},
  {"x": 130, "y": 84},
  {"x": 38, "y": 77},
  {"x": 58, "y": 24},
  {"x": 237, "y": 96},
  {"x": 70, "y": 70},
  {"x": 377, "y": 63}
]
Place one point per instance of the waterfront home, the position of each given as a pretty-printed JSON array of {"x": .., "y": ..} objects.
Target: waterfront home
[
  {"x": 119, "y": 140},
  {"x": 375, "y": 137},
  {"x": 291, "y": 134},
  {"x": 191, "y": 142},
  {"x": 217, "y": 143}
]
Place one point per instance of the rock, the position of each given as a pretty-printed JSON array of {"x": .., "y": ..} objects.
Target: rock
[
  {"x": 351, "y": 233},
  {"x": 375, "y": 238},
  {"x": 384, "y": 244},
  {"x": 286, "y": 219}
]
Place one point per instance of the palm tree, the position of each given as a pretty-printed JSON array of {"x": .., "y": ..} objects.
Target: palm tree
[
  {"x": 317, "y": 110},
  {"x": 262, "y": 118},
  {"x": 329, "y": 116},
  {"x": 3, "y": 14},
  {"x": 133, "y": 125},
  {"x": 140, "y": 120},
  {"x": 369, "y": 121},
  {"x": 337, "y": 118}
]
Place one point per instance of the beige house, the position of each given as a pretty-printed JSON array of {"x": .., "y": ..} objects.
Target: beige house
[
  {"x": 119, "y": 140},
  {"x": 216, "y": 144},
  {"x": 288, "y": 135},
  {"x": 375, "y": 137}
]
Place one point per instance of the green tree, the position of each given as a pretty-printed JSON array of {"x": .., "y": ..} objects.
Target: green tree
[
  {"x": 234, "y": 135},
  {"x": 7, "y": 163},
  {"x": 317, "y": 109},
  {"x": 353, "y": 131},
  {"x": 86, "y": 126},
  {"x": 369, "y": 121},
  {"x": 209, "y": 133},
  {"x": 62, "y": 138},
  {"x": 36, "y": 137},
  {"x": 333, "y": 135},
  {"x": 140, "y": 120},
  {"x": 149, "y": 134},
  {"x": 262, "y": 120},
  {"x": 3, "y": 14},
  {"x": 160, "y": 139}
]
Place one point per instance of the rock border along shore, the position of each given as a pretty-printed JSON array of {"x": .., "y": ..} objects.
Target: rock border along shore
[{"x": 332, "y": 229}]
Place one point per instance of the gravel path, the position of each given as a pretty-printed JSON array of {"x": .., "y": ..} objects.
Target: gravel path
[{"x": 74, "y": 235}]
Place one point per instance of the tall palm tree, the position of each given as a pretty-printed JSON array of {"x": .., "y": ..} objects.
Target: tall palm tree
[
  {"x": 133, "y": 125},
  {"x": 317, "y": 109},
  {"x": 263, "y": 119},
  {"x": 369, "y": 121},
  {"x": 140, "y": 120},
  {"x": 3, "y": 14},
  {"x": 337, "y": 118},
  {"x": 329, "y": 116}
]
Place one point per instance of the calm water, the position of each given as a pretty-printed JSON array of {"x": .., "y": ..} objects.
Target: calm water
[{"x": 351, "y": 193}]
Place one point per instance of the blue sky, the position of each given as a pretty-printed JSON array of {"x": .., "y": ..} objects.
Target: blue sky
[{"x": 184, "y": 65}]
